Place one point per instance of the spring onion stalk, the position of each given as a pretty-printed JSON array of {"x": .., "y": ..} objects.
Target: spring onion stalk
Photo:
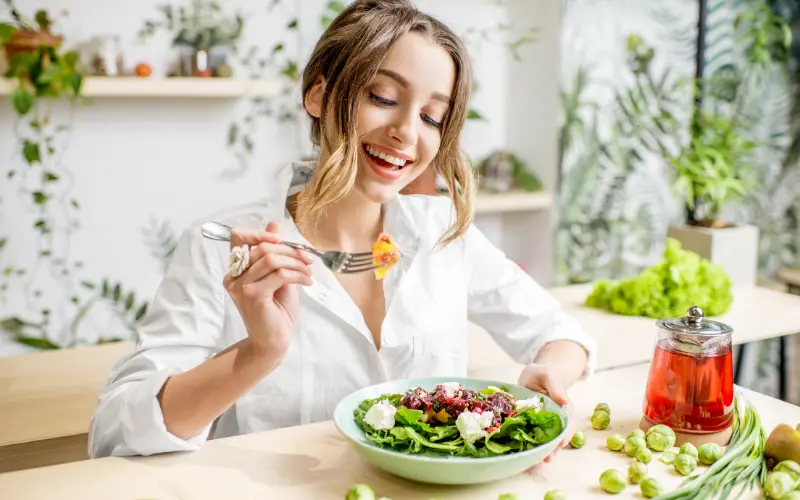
[{"x": 743, "y": 463}]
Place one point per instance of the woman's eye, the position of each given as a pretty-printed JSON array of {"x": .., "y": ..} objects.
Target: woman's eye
[
  {"x": 431, "y": 121},
  {"x": 380, "y": 100}
]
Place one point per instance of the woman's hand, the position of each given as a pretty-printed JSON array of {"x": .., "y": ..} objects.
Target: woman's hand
[
  {"x": 544, "y": 379},
  {"x": 265, "y": 293}
]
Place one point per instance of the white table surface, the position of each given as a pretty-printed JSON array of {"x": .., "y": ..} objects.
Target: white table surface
[{"x": 757, "y": 313}]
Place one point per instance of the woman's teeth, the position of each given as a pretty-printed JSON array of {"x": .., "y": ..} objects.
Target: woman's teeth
[{"x": 399, "y": 163}]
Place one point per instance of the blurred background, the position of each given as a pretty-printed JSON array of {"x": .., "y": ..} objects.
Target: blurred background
[{"x": 585, "y": 128}]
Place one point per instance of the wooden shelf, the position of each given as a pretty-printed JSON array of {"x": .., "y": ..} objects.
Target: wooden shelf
[
  {"x": 490, "y": 203},
  {"x": 179, "y": 87}
]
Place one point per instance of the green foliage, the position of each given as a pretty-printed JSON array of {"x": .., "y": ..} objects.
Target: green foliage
[
  {"x": 714, "y": 168},
  {"x": 667, "y": 289},
  {"x": 714, "y": 159},
  {"x": 201, "y": 25}
]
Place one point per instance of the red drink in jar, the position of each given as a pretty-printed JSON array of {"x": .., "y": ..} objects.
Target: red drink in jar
[
  {"x": 690, "y": 386},
  {"x": 688, "y": 393}
]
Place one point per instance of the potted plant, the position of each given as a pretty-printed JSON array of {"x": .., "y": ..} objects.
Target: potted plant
[
  {"x": 712, "y": 160},
  {"x": 35, "y": 60},
  {"x": 712, "y": 171},
  {"x": 200, "y": 28},
  {"x": 25, "y": 36}
]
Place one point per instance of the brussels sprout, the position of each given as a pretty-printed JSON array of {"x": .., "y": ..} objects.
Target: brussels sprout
[
  {"x": 792, "y": 495},
  {"x": 615, "y": 442},
  {"x": 790, "y": 467},
  {"x": 778, "y": 484},
  {"x": 660, "y": 437},
  {"x": 636, "y": 433},
  {"x": 650, "y": 487},
  {"x": 578, "y": 439},
  {"x": 508, "y": 496},
  {"x": 689, "y": 449},
  {"x": 612, "y": 481},
  {"x": 604, "y": 407},
  {"x": 600, "y": 419},
  {"x": 636, "y": 472},
  {"x": 709, "y": 453},
  {"x": 360, "y": 491},
  {"x": 555, "y": 495},
  {"x": 684, "y": 464},
  {"x": 668, "y": 457},
  {"x": 643, "y": 455},
  {"x": 633, "y": 444}
]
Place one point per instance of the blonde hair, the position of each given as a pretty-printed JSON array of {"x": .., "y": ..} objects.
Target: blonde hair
[{"x": 348, "y": 56}]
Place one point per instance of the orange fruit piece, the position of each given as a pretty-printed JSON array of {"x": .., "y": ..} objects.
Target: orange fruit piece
[
  {"x": 385, "y": 255},
  {"x": 143, "y": 69}
]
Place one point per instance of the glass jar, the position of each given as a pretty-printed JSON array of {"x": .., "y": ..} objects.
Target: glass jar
[{"x": 690, "y": 385}]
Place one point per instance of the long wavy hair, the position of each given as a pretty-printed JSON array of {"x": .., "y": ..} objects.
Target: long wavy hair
[{"x": 348, "y": 56}]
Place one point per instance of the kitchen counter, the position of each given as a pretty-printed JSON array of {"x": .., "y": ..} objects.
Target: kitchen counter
[{"x": 316, "y": 462}]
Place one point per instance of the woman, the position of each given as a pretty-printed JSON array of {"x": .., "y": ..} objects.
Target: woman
[{"x": 281, "y": 343}]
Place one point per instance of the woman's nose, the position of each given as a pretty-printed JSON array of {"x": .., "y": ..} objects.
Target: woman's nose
[{"x": 404, "y": 129}]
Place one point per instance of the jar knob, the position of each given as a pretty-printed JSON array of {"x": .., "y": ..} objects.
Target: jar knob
[{"x": 695, "y": 315}]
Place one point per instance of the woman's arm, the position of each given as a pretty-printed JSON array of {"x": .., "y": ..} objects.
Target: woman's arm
[
  {"x": 521, "y": 316},
  {"x": 182, "y": 329},
  {"x": 192, "y": 400},
  {"x": 565, "y": 359}
]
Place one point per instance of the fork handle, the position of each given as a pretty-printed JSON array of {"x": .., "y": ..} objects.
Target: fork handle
[
  {"x": 300, "y": 246},
  {"x": 221, "y": 232}
]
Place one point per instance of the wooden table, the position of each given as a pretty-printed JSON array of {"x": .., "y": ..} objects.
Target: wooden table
[
  {"x": 46, "y": 401},
  {"x": 757, "y": 313},
  {"x": 47, "y": 398},
  {"x": 315, "y": 462}
]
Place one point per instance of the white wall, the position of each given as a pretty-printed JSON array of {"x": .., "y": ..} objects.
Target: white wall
[{"x": 137, "y": 161}]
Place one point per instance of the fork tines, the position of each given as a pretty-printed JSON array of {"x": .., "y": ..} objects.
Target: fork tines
[{"x": 359, "y": 263}]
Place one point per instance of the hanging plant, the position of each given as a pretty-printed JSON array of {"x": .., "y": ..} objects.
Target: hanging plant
[{"x": 44, "y": 74}]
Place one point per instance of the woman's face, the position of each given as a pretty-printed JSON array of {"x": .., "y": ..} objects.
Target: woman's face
[{"x": 400, "y": 116}]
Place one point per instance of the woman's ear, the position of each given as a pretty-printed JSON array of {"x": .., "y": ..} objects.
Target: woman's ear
[{"x": 313, "y": 99}]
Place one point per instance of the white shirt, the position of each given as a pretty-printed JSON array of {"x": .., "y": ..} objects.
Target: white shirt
[{"x": 431, "y": 294}]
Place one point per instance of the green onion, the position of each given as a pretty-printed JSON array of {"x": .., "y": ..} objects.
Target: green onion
[{"x": 742, "y": 464}]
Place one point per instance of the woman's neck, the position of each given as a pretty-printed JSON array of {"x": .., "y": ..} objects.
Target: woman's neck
[{"x": 351, "y": 225}]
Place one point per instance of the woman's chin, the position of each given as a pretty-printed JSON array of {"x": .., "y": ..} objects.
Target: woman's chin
[{"x": 379, "y": 192}]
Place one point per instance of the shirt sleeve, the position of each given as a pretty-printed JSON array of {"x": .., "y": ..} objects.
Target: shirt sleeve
[
  {"x": 181, "y": 329},
  {"x": 519, "y": 314}
]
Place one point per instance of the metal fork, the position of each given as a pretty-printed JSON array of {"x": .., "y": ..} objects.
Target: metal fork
[{"x": 338, "y": 262}]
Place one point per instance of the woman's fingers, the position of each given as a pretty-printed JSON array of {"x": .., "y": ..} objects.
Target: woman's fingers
[
  {"x": 252, "y": 237},
  {"x": 263, "y": 249},
  {"x": 270, "y": 263},
  {"x": 282, "y": 277}
]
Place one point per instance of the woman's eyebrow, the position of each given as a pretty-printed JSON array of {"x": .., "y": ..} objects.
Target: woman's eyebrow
[{"x": 400, "y": 79}]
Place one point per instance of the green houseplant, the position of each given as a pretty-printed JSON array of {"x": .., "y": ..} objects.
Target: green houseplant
[
  {"x": 712, "y": 160},
  {"x": 36, "y": 61}
]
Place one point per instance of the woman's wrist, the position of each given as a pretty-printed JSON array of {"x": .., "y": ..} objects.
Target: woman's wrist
[
  {"x": 259, "y": 353},
  {"x": 566, "y": 360}
]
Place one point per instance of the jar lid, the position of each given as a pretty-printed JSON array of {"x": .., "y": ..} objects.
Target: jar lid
[{"x": 695, "y": 324}]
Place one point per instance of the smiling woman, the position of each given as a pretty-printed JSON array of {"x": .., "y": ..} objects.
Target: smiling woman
[{"x": 285, "y": 339}]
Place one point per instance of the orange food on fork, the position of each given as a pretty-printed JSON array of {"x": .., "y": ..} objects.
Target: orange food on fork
[{"x": 385, "y": 255}]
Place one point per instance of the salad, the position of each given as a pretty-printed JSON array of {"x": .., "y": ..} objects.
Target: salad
[{"x": 453, "y": 420}]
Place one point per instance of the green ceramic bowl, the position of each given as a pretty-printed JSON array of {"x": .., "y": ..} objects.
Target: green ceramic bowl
[{"x": 442, "y": 469}]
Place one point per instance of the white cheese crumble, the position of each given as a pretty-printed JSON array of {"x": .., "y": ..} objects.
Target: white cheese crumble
[
  {"x": 524, "y": 404},
  {"x": 381, "y": 415},
  {"x": 450, "y": 388},
  {"x": 472, "y": 425}
]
